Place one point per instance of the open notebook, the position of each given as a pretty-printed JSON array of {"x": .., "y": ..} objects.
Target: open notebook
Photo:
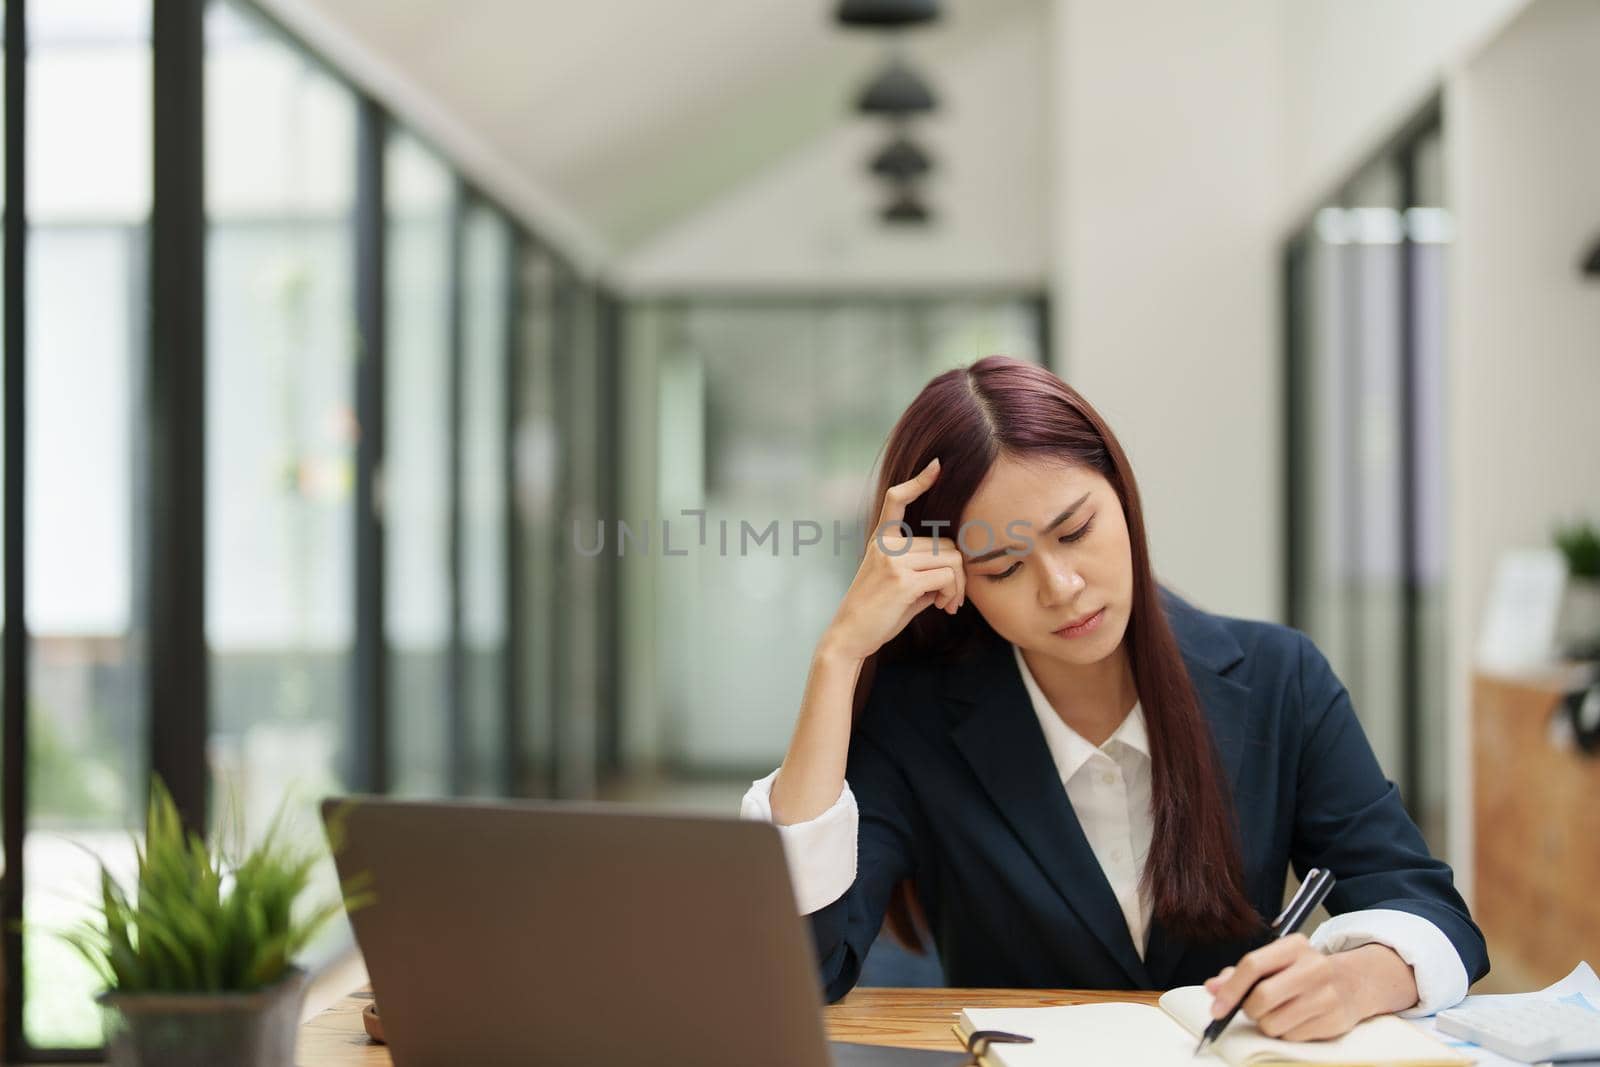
[{"x": 1143, "y": 1034}]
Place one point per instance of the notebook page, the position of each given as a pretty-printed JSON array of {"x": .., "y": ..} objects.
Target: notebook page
[
  {"x": 1382, "y": 1040},
  {"x": 1089, "y": 1035}
]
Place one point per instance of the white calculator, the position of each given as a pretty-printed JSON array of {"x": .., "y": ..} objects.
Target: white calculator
[{"x": 1528, "y": 1030}]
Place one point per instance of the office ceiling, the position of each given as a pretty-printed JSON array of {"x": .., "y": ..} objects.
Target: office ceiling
[{"x": 633, "y": 113}]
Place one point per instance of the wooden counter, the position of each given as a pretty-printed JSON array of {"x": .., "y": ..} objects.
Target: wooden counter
[{"x": 1536, "y": 837}]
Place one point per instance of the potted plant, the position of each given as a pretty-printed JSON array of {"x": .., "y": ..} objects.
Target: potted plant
[
  {"x": 1579, "y": 629},
  {"x": 198, "y": 962}
]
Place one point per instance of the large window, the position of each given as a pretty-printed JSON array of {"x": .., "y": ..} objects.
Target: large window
[
  {"x": 1366, "y": 291},
  {"x": 416, "y": 470},
  {"x": 486, "y": 285},
  {"x": 280, "y": 424},
  {"x": 762, "y": 412},
  {"x": 88, "y": 167},
  {"x": 466, "y": 351},
  {"x": 537, "y": 458}
]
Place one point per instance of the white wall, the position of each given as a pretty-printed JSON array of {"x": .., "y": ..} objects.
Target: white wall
[
  {"x": 1167, "y": 162},
  {"x": 810, "y": 222},
  {"x": 1354, "y": 70},
  {"x": 1186, "y": 140},
  {"x": 1525, "y": 331}
]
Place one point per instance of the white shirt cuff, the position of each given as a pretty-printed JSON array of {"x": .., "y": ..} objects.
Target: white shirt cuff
[
  {"x": 821, "y": 853},
  {"x": 1435, "y": 964}
]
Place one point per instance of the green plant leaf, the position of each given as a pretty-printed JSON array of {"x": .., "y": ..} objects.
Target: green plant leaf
[
  {"x": 1579, "y": 542},
  {"x": 194, "y": 921}
]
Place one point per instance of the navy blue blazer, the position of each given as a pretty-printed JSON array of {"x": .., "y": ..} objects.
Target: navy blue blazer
[{"x": 958, "y": 792}]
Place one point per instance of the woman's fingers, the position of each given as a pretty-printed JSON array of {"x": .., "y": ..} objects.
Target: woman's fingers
[
  {"x": 1272, "y": 994},
  {"x": 903, "y": 493},
  {"x": 905, "y": 555},
  {"x": 917, "y": 607},
  {"x": 941, "y": 581},
  {"x": 1269, "y": 959},
  {"x": 953, "y": 587},
  {"x": 961, "y": 586},
  {"x": 933, "y": 552},
  {"x": 1289, "y": 1015},
  {"x": 895, "y": 546},
  {"x": 1216, "y": 980},
  {"x": 1298, "y": 996},
  {"x": 1302, "y": 1001}
]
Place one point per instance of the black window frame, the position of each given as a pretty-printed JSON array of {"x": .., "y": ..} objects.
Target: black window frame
[{"x": 1399, "y": 150}]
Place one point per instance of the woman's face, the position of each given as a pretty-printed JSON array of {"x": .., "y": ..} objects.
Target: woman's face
[{"x": 1068, "y": 560}]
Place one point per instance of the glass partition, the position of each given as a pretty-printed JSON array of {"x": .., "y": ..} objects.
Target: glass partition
[
  {"x": 486, "y": 283},
  {"x": 88, "y": 174},
  {"x": 536, "y": 442},
  {"x": 765, "y": 414},
  {"x": 416, "y": 483},
  {"x": 280, "y": 428},
  {"x": 489, "y": 345},
  {"x": 1366, "y": 291}
]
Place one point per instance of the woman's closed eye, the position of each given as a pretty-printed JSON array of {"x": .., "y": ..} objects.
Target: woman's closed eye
[{"x": 1066, "y": 539}]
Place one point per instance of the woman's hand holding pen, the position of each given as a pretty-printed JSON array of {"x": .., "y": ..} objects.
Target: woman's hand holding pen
[
  {"x": 899, "y": 576},
  {"x": 1305, "y": 995}
]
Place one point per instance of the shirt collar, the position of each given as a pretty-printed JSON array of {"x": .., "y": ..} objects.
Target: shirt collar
[{"x": 1069, "y": 749}]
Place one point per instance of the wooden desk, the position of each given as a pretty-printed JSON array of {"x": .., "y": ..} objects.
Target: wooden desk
[{"x": 912, "y": 1018}]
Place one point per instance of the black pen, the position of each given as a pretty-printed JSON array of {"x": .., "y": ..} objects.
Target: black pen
[{"x": 1313, "y": 891}]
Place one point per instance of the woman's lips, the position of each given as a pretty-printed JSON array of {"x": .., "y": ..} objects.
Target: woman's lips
[{"x": 1078, "y": 629}]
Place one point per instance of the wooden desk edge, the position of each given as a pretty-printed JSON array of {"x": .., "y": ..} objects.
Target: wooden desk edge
[{"x": 908, "y": 1018}]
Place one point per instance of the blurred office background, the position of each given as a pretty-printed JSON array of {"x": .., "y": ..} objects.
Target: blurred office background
[{"x": 333, "y": 328}]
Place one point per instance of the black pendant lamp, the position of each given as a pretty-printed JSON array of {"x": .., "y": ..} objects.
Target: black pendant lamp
[
  {"x": 897, "y": 90},
  {"x": 887, "y": 14},
  {"x": 906, "y": 209},
  {"x": 901, "y": 160}
]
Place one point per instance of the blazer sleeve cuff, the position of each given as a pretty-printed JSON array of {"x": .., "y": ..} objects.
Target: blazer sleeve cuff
[
  {"x": 821, "y": 853},
  {"x": 1440, "y": 975}
]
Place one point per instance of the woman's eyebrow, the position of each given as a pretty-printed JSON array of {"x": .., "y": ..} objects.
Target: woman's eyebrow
[{"x": 1057, "y": 521}]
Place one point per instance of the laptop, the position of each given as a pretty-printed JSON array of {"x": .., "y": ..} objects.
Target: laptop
[{"x": 515, "y": 933}]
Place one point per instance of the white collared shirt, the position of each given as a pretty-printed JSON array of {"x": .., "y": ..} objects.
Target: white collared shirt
[{"x": 1109, "y": 789}]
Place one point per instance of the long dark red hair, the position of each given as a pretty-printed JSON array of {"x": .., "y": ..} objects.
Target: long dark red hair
[{"x": 969, "y": 417}]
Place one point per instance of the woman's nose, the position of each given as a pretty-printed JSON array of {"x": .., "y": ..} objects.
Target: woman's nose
[{"x": 1062, "y": 583}]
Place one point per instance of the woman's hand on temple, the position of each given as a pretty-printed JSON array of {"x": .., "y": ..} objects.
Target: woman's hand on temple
[{"x": 898, "y": 577}]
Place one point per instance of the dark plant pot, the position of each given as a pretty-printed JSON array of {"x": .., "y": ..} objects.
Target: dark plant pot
[{"x": 204, "y": 1029}]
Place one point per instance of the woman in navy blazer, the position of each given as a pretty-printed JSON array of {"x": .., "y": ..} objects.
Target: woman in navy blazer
[{"x": 1256, "y": 760}]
